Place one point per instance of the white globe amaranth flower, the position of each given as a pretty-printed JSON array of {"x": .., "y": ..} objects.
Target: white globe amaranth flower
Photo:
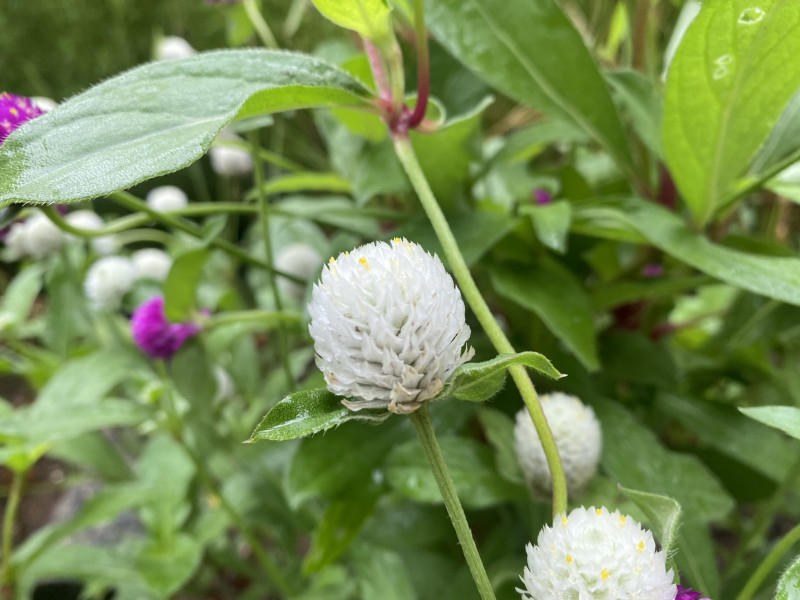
[
  {"x": 91, "y": 221},
  {"x": 151, "y": 263},
  {"x": 300, "y": 260},
  {"x": 230, "y": 161},
  {"x": 40, "y": 236},
  {"x": 578, "y": 437},
  {"x": 388, "y": 326},
  {"x": 172, "y": 47},
  {"x": 166, "y": 198},
  {"x": 15, "y": 241},
  {"x": 594, "y": 554},
  {"x": 108, "y": 280}
]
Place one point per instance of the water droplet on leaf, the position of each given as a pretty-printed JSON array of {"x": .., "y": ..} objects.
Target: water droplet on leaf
[{"x": 751, "y": 15}]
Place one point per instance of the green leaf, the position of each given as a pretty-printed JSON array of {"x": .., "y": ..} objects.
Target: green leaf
[
  {"x": 551, "y": 223},
  {"x": 789, "y": 583},
  {"x": 499, "y": 430},
  {"x": 663, "y": 515},
  {"x": 302, "y": 182},
  {"x": 307, "y": 412},
  {"x": 382, "y": 575},
  {"x": 158, "y": 118},
  {"x": 638, "y": 96},
  {"x": 471, "y": 465},
  {"x": 20, "y": 294},
  {"x": 733, "y": 75},
  {"x": 635, "y": 457},
  {"x": 785, "y": 418},
  {"x": 336, "y": 211},
  {"x": 552, "y": 292},
  {"x": 521, "y": 49},
  {"x": 180, "y": 288},
  {"x": 478, "y": 382},
  {"x": 774, "y": 277},
  {"x": 339, "y": 526},
  {"x": 697, "y": 558},
  {"x": 85, "y": 380},
  {"x": 369, "y": 18}
]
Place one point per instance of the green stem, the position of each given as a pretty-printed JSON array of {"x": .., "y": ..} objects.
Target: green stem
[
  {"x": 133, "y": 203},
  {"x": 259, "y": 24},
  {"x": 252, "y": 316},
  {"x": 421, "y": 419},
  {"x": 769, "y": 562},
  {"x": 263, "y": 205},
  {"x": 10, "y": 516},
  {"x": 405, "y": 152}
]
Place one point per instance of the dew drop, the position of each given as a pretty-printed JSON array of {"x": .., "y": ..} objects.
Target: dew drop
[{"x": 751, "y": 15}]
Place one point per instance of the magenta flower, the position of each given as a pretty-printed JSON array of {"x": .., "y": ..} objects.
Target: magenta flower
[
  {"x": 688, "y": 594},
  {"x": 14, "y": 111},
  {"x": 652, "y": 270},
  {"x": 542, "y": 196},
  {"x": 154, "y": 334}
]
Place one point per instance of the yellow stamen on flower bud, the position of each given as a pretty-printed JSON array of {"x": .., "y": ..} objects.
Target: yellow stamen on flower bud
[{"x": 604, "y": 573}]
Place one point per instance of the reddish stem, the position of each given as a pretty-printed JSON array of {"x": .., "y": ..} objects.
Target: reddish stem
[
  {"x": 378, "y": 71},
  {"x": 423, "y": 68}
]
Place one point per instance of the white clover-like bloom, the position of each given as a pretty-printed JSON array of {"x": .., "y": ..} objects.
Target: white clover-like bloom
[
  {"x": 578, "y": 437},
  {"x": 594, "y": 554},
  {"x": 151, "y": 263},
  {"x": 43, "y": 103},
  {"x": 166, "y": 198},
  {"x": 172, "y": 47},
  {"x": 40, "y": 236},
  {"x": 108, "y": 280},
  {"x": 91, "y": 221},
  {"x": 300, "y": 260},
  {"x": 230, "y": 161},
  {"x": 388, "y": 326}
]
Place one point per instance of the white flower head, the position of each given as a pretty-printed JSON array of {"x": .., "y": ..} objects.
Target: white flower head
[
  {"x": 151, "y": 263},
  {"x": 43, "y": 103},
  {"x": 230, "y": 161},
  {"x": 40, "y": 236},
  {"x": 172, "y": 47},
  {"x": 578, "y": 437},
  {"x": 388, "y": 326},
  {"x": 166, "y": 198},
  {"x": 108, "y": 280},
  {"x": 301, "y": 260},
  {"x": 594, "y": 554},
  {"x": 90, "y": 220},
  {"x": 15, "y": 240}
]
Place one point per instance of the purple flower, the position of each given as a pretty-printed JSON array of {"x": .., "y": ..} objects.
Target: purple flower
[
  {"x": 542, "y": 196},
  {"x": 652, "y": 270},
  {"x": 14, "y": 111},
  {"x": 154, "y": 334},
  {"x": 688, "y": 594}
]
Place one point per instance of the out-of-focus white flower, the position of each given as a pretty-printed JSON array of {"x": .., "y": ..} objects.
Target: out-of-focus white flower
[
  {"x": 44, "y": 104},
  {"x": 599, "y": 555},
  {"x": 151, "y": 263},
  {"x": 40, "y": 237},
  {"x": 230, "y": 161},
  {"x": 15, "y": 240},
  {"x": 578, "y": 437},
  {"x": 225, "y": 386},
  {"x": 90, "y": 220},
  {"x": 108, "y": 280},
  {"x": 388, "y": 326},
  {"x": 300, "y": 260},
  {"x": 166, "y": 198},
  {"x": 172, "y": 47}
]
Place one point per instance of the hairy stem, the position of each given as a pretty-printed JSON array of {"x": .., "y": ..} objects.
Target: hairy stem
[
  {"x": 769, "y": 562},
  {"x": 408, "y": 159},
  {"x": 422, "y": 423}
]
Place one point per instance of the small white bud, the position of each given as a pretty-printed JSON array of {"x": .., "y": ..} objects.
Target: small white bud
[
  {"x": 40, "y": 236},
  {"x": 151, "y": 263},
  {"x": 43, "y": 103},
  {"x": 230, "y": 161},
  {"x": 172, "y": 47},
  {"x": 578, "y": 437},
  {"x": 300, "y": 260},
  {"x": 108, "y": 280},
  {"x": 91, "y": 221},
  {"x": 166, "y": 198},
  {"x": 596, "y": 554}
]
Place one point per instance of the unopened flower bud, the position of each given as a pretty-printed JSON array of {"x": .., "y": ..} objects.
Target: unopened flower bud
[
  {"x": 40, "y": 236},
  {"x": 151, "y": 263},
  {"x": 388, "y": 326},
  {"x": 172, "y": 47},
  {"x": 91, "y": 221},
  {"x": 578, "y": 437},
  {"x": 300, "y": 260},
  {"x": 166, "y": 198},
  {"x": 596, "y": 554},
  {"x": 108, "y": 280}
]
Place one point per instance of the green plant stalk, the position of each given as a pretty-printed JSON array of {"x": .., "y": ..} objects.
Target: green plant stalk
[
  {"x": 405, "y": 152},
  {"x": 259, "y": 24},
  {"x": 175, "y": 425},
  {"x": 252, "y": 316},
  {"x": 133, "y": 203},
  {"x": 769, "y": 562},
  {"x": 264, "y": 208},
  {"x": 10, "y": 516},
  {"x": 421, "y": 419}
]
